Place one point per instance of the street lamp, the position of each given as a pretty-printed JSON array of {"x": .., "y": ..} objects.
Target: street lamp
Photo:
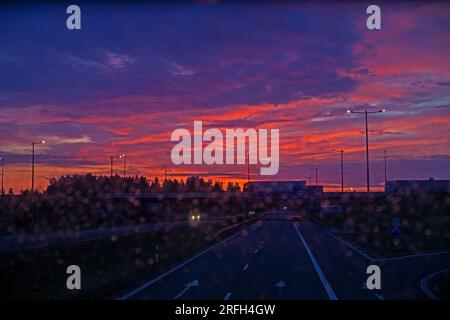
[
  {"x": 112, "y": 162},
  {"x": 3, "y": 174},
  {"x": 124, "y": 156},
  {"x": 365, "y": 113},
  {"x": 32, "y": 162},
  {"x": 317, "y": 178},
  {"x": 342, "y": 167}
]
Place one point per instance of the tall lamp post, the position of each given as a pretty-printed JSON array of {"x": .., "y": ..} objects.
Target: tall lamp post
[
  {"x": 112, "y": 163},
  {"x": 317, "y": 175},
  {"x": 366, "y": 113},
  {"x": 342, "y": 167},
  {"x": 32, "y": 162},
  {"x": 124, "y": 156},
  {"x": 3, "y": 174}
]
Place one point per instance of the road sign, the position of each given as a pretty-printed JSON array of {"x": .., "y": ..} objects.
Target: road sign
[{"x": 395, "y": 226}]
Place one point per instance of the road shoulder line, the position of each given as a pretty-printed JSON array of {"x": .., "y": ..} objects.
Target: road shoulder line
[
  {"x": 351, "y": 246},
  {"x": 423, "y": 254},
  {"x": 424, "y": 284},
  {"x": 387, "y": 259},
  {"x": 325, "y": 283}
]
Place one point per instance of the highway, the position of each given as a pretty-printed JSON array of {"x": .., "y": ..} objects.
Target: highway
[{"x": 276, "y": 258}]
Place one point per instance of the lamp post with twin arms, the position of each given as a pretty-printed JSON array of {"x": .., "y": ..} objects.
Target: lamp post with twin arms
[{"x": 366, "y": 113}]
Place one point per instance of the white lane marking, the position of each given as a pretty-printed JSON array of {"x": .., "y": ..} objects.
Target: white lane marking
[
  {"x": 319, "y": 272},
  {"x": 193, "y": 283},
  {"x": 424, "y": 254},
  {"x": 424, "y": 284},
  {"x": 227, "y": 296},
  {"x": 256, "y": 251},
  {"x": 175, "y": 268},
  {"x": 351, "y": 247},
  {"x": 379, "y": 296},
  {"x": 280, "y": 285},
  {"x": 246, "y": 266}
]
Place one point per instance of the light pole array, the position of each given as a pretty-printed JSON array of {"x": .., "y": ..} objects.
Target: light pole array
[
  {"x": 366, "y": 113},
  {"x": 342, "y": 167},
  {"x": 32, "y": 162}
]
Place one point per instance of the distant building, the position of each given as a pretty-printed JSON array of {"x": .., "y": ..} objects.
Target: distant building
[
  {"x": 328, "y": 208},
  {"x": 417, "y": 186},
  {"x": 289, "y": 189},
  {"x": 311, "y": 191}
]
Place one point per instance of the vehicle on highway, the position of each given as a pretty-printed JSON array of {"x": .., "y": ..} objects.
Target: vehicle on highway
[{"x": 195, "y": 215}]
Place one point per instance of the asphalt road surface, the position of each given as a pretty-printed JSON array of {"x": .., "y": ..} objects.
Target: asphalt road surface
[{"x": 276, "y": 258}]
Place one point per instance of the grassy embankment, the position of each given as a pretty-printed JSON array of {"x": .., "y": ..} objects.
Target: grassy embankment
[{"x": 109, "y": 266}]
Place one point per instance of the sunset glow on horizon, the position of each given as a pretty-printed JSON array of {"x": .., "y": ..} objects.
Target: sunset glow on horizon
[{"x": 134, "y": 73}]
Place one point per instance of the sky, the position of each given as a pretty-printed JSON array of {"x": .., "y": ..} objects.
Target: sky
[{"x": 135, "y": 72}]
